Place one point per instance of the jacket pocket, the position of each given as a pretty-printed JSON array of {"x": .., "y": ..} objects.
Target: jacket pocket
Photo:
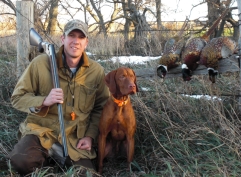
[{"x": 86, "y": 98}]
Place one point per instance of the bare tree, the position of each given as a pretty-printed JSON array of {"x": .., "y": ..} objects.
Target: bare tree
[
  {"x": 138, "y": 19},
  {"x": 100, "y": 16},
  {"x": 215, "y": 8},
  {"x": 115, "y": 15},
  {"x": 213, "y": 14},
  {"x": 230, "y": 19},
  {"x": 235, "y": 26},
  {"x": 125, "y": 5},
  {"x": 94, "y": 10},
  {"x": 158, "y": 13},
  {"x": 10, "y": 4},
  {"x": 41, "y": 9},
  {"x": 52, "y": 20}
]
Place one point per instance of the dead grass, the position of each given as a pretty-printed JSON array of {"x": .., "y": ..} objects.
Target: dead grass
[{"x": 176, "y": 135}]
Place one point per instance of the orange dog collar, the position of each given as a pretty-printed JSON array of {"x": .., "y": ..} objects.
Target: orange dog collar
[{"x": 120, "y": 102}]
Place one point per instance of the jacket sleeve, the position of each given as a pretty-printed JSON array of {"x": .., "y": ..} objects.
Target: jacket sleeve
[
  {"x": 102, "y": 95},
  {"x": 25, "y": 94}
]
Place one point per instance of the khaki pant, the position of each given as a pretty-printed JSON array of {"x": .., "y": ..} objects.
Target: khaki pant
[{"x": 28, "y": 154}]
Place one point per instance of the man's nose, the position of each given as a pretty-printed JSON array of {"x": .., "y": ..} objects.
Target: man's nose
[{"x": 76, "y": 40}]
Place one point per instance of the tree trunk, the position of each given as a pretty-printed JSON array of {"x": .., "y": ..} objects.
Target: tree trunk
[
  {"x": 111, "y": 25},
  {"x": 125, "y": 5},
  {"x": 234, "y": 25},
  {"x": 213, "y": 14},
  {"x": 53, "y": 14},
  {"x": 139, "y": 20},
  {"x": 158, "y": 14},
  {"x": 100, "y": 16}
]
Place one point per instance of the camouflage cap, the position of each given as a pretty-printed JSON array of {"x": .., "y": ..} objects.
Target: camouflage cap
[{"x": 76, "y": 24}]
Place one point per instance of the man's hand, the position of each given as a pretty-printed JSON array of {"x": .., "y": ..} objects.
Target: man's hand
[
  {"x": 85, "y": 143},
  {"x": 56, "y": 95}
]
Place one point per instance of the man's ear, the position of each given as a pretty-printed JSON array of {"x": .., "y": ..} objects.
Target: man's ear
[
  {"x": 87, "y": 41},
  {"x": 62, "y": 38}
]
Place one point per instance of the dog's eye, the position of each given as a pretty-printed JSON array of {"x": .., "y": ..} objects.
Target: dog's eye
[{"x": 122, "y": 76}]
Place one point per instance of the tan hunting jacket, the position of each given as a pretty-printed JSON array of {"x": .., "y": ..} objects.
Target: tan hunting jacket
[{"x": 90, "y": 94}]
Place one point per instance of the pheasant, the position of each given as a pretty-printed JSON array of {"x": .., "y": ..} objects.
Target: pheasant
[
  {"x": 190, "y": 56},
  {"x": 171, "y": 57},
  {"x": 216, "y": 49},
  {"x": 193, "y": 48}
]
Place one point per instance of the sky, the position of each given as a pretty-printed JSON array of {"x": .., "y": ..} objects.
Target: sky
[
  {"x": 172, "y": 10},
  {"x": 179, "y": 9}
]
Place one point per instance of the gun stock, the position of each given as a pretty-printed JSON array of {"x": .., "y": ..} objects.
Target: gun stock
[{"x": 36, "y": 40}]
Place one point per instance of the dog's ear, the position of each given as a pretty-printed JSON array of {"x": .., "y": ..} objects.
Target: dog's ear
[
  {"x": 137, "y": 90},
  {"x": 110, "y": 81}
]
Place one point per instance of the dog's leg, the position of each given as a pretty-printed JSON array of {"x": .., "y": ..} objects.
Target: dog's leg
[
  {"x": 130, "y": 149},
  {"x": 101, "y": 151},
  {"x": 108, "y": 148}
]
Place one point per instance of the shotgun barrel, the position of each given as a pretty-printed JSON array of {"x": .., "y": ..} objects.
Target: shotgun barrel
[{"x": 36, "y": 40}]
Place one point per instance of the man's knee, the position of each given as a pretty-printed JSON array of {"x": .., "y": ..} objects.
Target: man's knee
[{"x": 27, "y": 155}]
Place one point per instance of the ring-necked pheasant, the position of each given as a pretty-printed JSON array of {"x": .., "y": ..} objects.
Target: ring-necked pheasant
[
  {"x": 216, "y": 49},
  {"x": 171, "y": 57},
  {"x": 193, "y": 48}
]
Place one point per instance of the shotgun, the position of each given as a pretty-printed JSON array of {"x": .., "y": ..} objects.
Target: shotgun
[{"x": 36, "y": 40}]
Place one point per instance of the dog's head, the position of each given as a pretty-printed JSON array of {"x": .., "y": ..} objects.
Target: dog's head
[{"x": 121, "y": 81}]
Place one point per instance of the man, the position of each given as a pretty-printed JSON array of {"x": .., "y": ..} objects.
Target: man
[{"x": 82, "y": 94}]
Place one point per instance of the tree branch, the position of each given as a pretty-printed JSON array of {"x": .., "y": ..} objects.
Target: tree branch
[
  {"x": 10, "y": 4},
  {"x": 7, "y": 14}
]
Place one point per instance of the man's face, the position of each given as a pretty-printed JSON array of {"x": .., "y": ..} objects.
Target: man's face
[{"x": 74, "y": 44}]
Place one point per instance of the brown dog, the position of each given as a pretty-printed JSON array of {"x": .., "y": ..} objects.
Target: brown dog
[{"x": 118, "y": 123}]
